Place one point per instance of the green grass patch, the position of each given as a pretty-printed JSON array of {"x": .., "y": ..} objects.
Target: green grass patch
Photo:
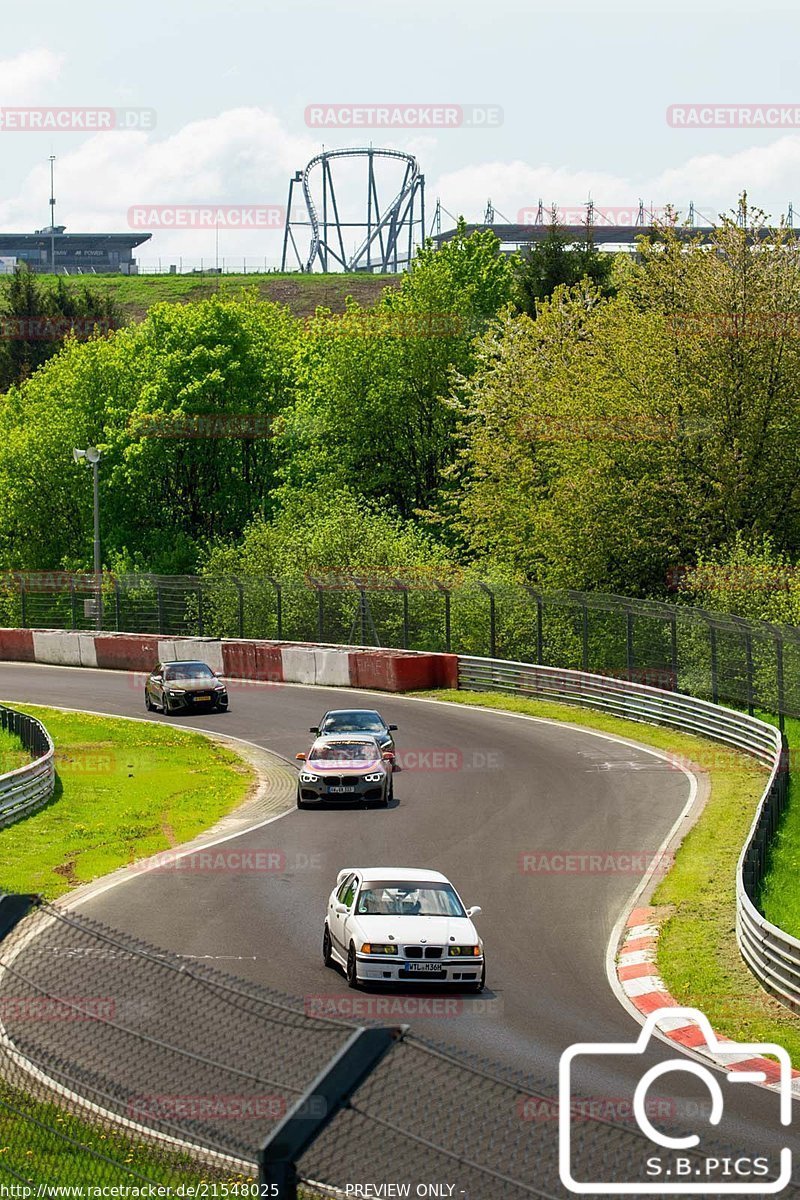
[
  {"x": 697, "y": 953},
  {"x": 12, "y": 752},
  {"x": 42, "y": 1143},
  {"x": 126, "y": 790},
  {"x": 302, "y": 293},
  {"x": 780, "y": 893}
]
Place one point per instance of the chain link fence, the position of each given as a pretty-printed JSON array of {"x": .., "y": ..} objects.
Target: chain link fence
[
  {"x": 124, "y": 1065},
  {"x": 749, "y": 664}
]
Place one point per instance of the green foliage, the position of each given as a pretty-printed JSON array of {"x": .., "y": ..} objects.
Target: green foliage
[
  {"x": 36, "y": 319},
  {"x": 749, "y": 578},
  {"x": 556, "y": 261},
  {"x": 372, "y": 408},
  {"x": 182, "y": 408}
]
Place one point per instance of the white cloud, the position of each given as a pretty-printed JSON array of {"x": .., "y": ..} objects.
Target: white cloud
[{"x": 24, "y": 77}]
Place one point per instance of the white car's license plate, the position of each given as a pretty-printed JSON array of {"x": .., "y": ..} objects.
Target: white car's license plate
[
  {"x": 425, "y": 968},
  {"x": 341, "y": 789}
]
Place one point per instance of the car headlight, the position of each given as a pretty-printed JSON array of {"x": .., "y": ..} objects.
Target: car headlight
[
  {"x": 374, "y": 948},
  {"x": 463, "y": 951},
  {"x": 307, "y": 777},
  {"x": 376, "y": 778},
  {"x": 176, "y": 691},
  {"x": 219, "y": 687}
]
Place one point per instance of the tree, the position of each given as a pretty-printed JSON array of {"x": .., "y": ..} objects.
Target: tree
[
  {"x": 372, "y": 408},
  {"x": 36, "y": 319},
  {"x": 557, "y": 261}
]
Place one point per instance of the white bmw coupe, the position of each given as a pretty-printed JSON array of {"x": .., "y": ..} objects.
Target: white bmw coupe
[{"x": 400, "y": 925}]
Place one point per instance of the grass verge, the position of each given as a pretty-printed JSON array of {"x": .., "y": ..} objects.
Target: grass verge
[
  {"x": 780, "y": 895},
  {"x": 126, "y": 790},
  {"x": 12, "y": 752},
  {"x": 697, "y": 953}
]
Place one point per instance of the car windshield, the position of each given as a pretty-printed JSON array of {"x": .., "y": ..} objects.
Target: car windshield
[
  {"x": 395, "y": 898},
  {"x": 348, "y": 722},
  {"x": 188, "y": 671},
  {"x": 344, "y": 752}
]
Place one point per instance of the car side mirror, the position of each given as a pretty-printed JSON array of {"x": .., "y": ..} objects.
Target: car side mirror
[
  {"x": 341, "y": 909},
  {"x": 156, "y": 678},
  {"x": 300, "y": 757},
  {"x": 473, "y": 912},
  {"x": 388, "y": 756},
  {"x": 390, "y": 727},
  {"x": 313, "y": 729}
]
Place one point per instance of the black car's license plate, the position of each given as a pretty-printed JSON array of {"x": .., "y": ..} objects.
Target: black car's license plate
[
  {"x": 341, "y": 789},
  {"x": 202, "y": 695},
  {"x": 424, "y": 968}
]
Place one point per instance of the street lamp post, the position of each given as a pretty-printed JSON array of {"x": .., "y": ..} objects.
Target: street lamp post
[{"x": 91, "y": 458}]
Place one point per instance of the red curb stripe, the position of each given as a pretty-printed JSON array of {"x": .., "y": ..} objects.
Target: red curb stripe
[
  {"x": 687, "y": 1035},
  {"x": 636, "y": 971},
  {"x": 636, "y": 944},
  {"x": 650, "y": 1001},
  {"x": 640, "y": 916},
  {"x": 771, "y": 1069}
]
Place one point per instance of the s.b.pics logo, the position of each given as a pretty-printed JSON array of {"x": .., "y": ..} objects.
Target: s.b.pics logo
[{"x": 674, "y": 1160}]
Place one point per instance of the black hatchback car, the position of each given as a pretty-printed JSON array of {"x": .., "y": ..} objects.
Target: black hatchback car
[
  {"x": 184, "y": 687},
  {"x": 357, "y": 720}
]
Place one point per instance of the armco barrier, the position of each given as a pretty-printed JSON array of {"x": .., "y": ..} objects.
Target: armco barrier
[
  {"x": 771, "y": 954},
  {"x": 30, "y": 786}
]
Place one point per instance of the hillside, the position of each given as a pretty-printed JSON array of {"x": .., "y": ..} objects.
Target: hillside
[{"x": 301, "y": 293}]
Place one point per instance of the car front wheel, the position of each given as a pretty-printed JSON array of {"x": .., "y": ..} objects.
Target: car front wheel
[
  {"x": 352, "y": 977},
  {"x": 481, "y": 984},
  {"x": 148, "y": 703},
  {"x": 327, "y": 957}
]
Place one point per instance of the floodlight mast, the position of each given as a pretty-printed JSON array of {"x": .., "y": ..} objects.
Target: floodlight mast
[{"x": 91, "y": 458}]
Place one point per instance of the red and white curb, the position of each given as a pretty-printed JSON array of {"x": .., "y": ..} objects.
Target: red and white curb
[{"x": 644, "y": 988}]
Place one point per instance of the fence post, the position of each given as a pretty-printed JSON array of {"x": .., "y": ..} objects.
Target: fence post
[
  {"x": 23, "y": 603},
  {"x": 160, "y": 600},
  {"x": 200, "y": 622},
  {"x": 362, "y": 609},
  {"x": 320, "y": 613},
  {"x": 712, "y": 637},
  {"x": 629, "y": 642},
  {"x": 405, "y": 616},
  {"x": 240, "y": 600},
  {"x": 314, "y": 1111},
  {"x": 779, "y": 664},
  {"x": 72, "y": 608},
  {"x": 446, "y": 592},
  {"x": 585, "y": 636},
  {"x": 116, "y": 604},
  {"x": 748, "y": 648},
  {"x": 673, "y": 637},
  {"x": 492, "y": 620}
]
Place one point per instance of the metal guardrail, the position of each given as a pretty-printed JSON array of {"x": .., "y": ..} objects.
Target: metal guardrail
[
  {"x": 28, "y": 787},
  {"x": 771, "y": 954}
]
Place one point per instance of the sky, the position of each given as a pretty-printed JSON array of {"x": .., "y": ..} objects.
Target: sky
[{"x": 574, "y": 98}]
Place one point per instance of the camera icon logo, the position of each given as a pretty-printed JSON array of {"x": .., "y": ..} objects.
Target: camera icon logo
[{"x": 668, "y": 1180}]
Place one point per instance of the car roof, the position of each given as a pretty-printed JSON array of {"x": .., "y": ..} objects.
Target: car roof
[
  {"x": 339, "y": 712},
  {"x": 330, "y": 739},
  {"x": 403, "y": 874},
  {"x": 184, "y": 662}
]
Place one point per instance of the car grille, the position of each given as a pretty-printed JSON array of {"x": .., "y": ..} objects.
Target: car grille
[
  {"x": 342, "y": 780},
  {"x": 423, "y": 951}
]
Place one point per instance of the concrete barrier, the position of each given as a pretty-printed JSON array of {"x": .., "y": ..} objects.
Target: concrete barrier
[
  {"x": 207, "y": 650},
  {"x": 57, "y": 648},
  {"x": 16, "y": 645},
  {"x": 126, "y": 651},
  {"x": 298, "y": 665},
  {"x": 332, "y": 668},
  {"x": 236, "y": 658}
]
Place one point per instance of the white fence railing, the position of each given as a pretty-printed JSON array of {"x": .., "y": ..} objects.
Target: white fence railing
[
  {"x": 32, "y": 785},
  {"x": 772, "y": 955}
]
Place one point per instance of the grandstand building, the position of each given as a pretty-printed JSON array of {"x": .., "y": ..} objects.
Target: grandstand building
[{"x": 71, "y": 253}]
